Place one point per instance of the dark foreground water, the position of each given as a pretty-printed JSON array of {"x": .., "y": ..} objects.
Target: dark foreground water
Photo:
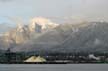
[{"x": 54, "y": 67}]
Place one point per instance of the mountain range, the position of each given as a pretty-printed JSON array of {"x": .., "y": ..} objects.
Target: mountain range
[{"x": 42, "y": 35}]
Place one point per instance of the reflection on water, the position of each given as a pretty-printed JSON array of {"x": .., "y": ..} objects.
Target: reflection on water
[{"x": 54, "y": 67}]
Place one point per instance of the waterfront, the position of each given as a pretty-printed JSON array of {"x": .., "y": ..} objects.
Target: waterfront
[{"x": 53, "y": 67}]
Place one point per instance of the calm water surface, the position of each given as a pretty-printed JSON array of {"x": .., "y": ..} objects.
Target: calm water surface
[{"x": 54, "y": 67}]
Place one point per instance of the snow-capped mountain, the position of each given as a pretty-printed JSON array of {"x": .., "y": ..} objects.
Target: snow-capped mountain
[
  {"x": 23, "y": 33},
  {"x": 43, "y": 35},
  {"x": 40, "y": 24},
  {"x": 89, "y": 37}
]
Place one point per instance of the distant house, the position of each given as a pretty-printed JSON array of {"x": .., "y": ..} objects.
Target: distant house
[{"x": 35, "y": 59}]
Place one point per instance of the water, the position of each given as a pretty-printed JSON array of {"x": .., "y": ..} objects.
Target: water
[{"x": 53, "y": 67}]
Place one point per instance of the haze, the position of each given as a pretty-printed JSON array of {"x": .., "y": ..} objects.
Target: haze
[{"x": 91, "y": 10}]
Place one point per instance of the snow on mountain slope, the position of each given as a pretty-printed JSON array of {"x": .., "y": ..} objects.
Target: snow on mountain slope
[
  {"x": 23, "y": 33},
  {"x": 90, "y": 38},
  {"x": 41, "y": 24},
  {"x": 50, "y": 39}
]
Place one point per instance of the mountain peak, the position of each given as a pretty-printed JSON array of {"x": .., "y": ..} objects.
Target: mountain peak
[
  {"x": 20, "y": 27},
  {"x": 41, "y": 24}
]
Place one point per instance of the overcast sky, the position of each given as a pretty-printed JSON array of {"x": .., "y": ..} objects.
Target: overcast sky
[{"x": 26, "y": 9}]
